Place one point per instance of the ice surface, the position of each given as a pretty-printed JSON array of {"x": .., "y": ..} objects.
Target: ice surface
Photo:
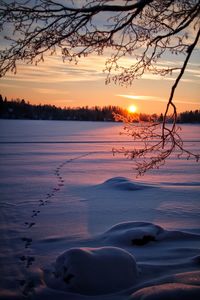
[{"x": 62, "y": 189}]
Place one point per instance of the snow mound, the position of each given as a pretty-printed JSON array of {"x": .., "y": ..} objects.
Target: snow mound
[
  {"x": 123, "y": 183},
  {"x": 143, "y": 233},
  {"x": 178, "y": 291},
  {"x": 93, "y": 271},
  {"x": 134, "y": 233}
]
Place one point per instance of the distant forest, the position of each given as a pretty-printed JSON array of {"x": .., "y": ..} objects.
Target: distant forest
[{"x": 20, "y": 109}]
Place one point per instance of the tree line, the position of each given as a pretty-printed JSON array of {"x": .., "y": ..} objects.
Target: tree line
[{"x": 21, "y": 109}]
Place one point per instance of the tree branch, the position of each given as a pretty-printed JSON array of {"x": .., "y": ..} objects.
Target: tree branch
[{"x": 170, "y": 101}]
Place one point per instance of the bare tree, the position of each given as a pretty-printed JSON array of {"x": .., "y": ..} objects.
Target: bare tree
[{"x": 143, "y": 29}]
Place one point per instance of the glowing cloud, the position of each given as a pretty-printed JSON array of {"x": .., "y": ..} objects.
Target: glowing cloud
[
  {"x": 136, "y": 97},
  {"x": 154, "y": 98}
]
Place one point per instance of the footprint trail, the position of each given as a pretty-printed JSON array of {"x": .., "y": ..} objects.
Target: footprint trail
[{"x": 27, "y": 284}]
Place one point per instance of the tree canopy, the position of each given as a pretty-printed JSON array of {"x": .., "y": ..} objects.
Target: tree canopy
[{"x": 144, "y": 29}]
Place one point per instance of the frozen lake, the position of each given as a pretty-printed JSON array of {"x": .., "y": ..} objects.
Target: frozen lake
[{"x": 61, "y": 187}]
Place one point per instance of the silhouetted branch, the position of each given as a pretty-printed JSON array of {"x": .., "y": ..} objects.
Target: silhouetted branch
[{"x": 150, "y": 152}]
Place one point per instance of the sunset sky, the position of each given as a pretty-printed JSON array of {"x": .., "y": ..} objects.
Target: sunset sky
[{"x": 63, "y": 84}]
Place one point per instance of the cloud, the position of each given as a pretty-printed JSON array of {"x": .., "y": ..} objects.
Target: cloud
[
  {"x": 137, "y": 97},
  {"x": 194, "y": 71},
  {"x": 149, "y": 76},
  {"x": 90, "y": 68},
  {"x": 54, "y": 70},
  {"x": 154, "y": 98},
  {"x": 7, "y": 85},
  {"x": 49, "y": 91}
]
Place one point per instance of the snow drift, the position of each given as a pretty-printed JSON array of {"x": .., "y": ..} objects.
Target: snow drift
[
  {"x": 134, "y": 233},
  {"x": 93, "y": 270},
  {"x": 177, "y": 291},
  {"x": 122, "y": 183}
]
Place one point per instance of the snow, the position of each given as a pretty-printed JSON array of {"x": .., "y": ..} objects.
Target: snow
[
  {"x": 123, "y": 183},
  {"x": 94, "y": 270},
  {"x": 178, "y": 291},
  {"x": 76, "y": 224},
  {"x": 134, "y": 233}
]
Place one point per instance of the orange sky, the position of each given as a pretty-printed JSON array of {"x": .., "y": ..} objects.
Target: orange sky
[{"x": 64, "y": 84}]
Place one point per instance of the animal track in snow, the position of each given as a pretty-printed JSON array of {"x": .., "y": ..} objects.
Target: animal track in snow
[{"x": 27, "y": 285}]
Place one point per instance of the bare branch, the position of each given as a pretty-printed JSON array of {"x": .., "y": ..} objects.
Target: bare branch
[
  {"x": 170, "y": 101},
  {"x": 149, "y": 152}
]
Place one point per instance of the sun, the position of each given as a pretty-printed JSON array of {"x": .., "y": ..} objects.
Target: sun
[{"x": 132, "y": 109}]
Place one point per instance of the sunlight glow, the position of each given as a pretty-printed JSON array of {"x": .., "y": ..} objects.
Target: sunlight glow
[{"x": 132, "y": 109}]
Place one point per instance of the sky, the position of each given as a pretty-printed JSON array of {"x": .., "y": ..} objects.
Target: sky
[{"x": 65, "y": 84}]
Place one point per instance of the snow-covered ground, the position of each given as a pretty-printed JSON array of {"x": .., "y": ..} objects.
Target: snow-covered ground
[{"x": 76, "y": 224}]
